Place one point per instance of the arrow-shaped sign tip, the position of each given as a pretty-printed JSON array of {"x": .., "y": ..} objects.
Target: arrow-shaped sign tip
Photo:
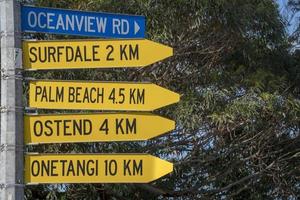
[
  {"x": 136, "y": 27},
  {"x": 161, "y": 168}
]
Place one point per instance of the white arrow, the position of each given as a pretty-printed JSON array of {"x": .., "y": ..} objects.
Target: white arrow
[{"x": 136, "y": 27}]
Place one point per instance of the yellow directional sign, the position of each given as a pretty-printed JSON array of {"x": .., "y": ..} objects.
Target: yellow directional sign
[
  {"x": 94, "y": 168},
  {"x": 62, "y": 128},
  {"x": 99, "y": 95},
  {"x": 94, "y": 53}
]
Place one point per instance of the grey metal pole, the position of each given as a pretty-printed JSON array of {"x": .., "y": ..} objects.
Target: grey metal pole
[{"x": 11, "y": 140}]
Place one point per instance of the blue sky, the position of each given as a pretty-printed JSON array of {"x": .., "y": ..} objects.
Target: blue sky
[{"x": 287, "y": 14}]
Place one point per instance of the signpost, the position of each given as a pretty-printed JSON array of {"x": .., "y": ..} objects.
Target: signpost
[
  {"x": 94, "y": 168},
  {"x": 11, "y": 133},
  {"x": 62, "y": 128},
  {"x": 68, "y": 54},
  {"x": 72, "y": 22},
  {"x": 99, "y": 95},
  {"x": 84, "y": 95}
]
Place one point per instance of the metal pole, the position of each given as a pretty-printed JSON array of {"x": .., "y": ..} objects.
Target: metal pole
[{"x": 11, "y": 140}]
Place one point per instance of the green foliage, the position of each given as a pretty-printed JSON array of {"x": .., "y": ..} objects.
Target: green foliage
[{"x": 237, "y": 134}]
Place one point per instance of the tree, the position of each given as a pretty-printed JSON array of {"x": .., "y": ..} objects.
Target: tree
[{"x": 237, "y": 134}]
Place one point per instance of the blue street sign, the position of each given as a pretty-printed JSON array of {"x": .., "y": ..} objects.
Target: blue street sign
[{"x": 71, "y": 22}]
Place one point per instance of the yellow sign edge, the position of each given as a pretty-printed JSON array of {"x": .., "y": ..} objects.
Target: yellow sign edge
[
  {"x": 89, "y": 39},
  {"x": 102, "y": 113},
  {"x": 91, "y": 81},
  {"x": 26, "y": 68},
  {"x": 99, "y": 154},
  {"x": 91, "y": 154},
  {"x": 96, "y": 113}
]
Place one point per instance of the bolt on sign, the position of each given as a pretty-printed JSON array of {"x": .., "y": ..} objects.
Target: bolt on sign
[
  {"x": 94, "y": 168},
  {"x": 71, "y": 54},
  {"x": 62, "y": 128},
  {"x": 75, "y": 22},
  {"x": 99, "y": 95}
]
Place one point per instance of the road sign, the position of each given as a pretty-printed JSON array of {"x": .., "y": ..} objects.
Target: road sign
[
  {"x": 94, "y": 168},
  {"x": 63, "y": 128},
  {"x": 74, "y": 22},
  {"x": 68, "y": 54},
  {"x": 99, "y": 95}
]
